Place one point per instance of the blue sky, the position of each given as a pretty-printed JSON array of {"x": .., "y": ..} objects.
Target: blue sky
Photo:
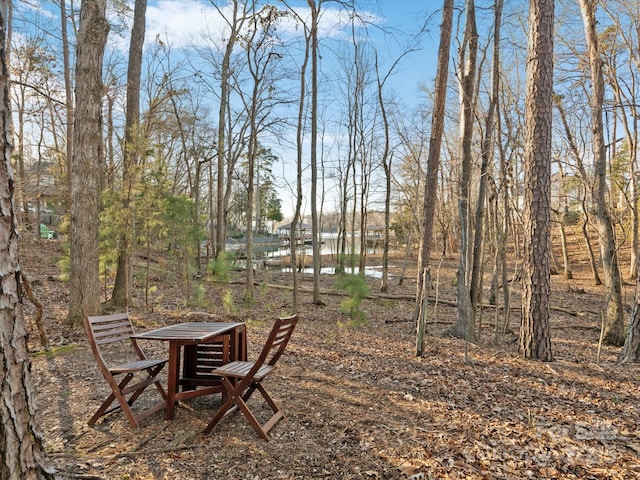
[
  {"x": 184, "y": 23},
  {"x": 187, "y": 24},
  {"x": 392, "y": 24}
]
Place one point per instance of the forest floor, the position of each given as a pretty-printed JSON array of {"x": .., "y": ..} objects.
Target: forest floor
[{"x": 358, "y": 403}]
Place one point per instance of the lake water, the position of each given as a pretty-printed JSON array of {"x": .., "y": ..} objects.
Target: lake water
[{"x": 267, "y": 257}]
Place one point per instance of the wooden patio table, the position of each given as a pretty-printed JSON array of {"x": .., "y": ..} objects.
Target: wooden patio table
[{"x": 194, "y": 333}]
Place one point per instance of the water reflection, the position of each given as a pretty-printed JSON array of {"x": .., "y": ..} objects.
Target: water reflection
[
  {"x": 373, "y": 272},
  {"x": 268, "y": 254}
]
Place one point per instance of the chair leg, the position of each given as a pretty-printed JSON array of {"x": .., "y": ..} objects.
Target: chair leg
[
  {"x": 268, "y": 399},
  {"x": 125, "y": 404},
  {"x": 102, "y": 410},
  {"x": 240, "y": 401},
  {"x": 251, "y": 418},
  {"x": 152, "y": 373},
  {"x": 225, "y": 408}
]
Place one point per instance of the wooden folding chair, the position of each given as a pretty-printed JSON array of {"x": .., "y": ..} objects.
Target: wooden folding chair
[
  {"x": 241, "y": 379},
  {"x": 111, "y": 339}
]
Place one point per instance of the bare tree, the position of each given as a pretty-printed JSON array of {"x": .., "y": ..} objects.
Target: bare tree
[
  {"x": 502, "y": 222},
  {"x": 309, "y": 32},
  {"x": 574, "y": 152},
  {"x": 315, "y": 222},
  {"x": 386, "y": 160},
  {"x": 235, "y": 25},
  {"x": 465, "y": 322},
  {"x": 121, "y": 289},
  {"x": 260, "y": 57},
  {"x": 622, "y": 60},
  {"x": 535, "y": 331},
  {"x": 84, "y": 284},
  {"x": 433, "y": 168},
  {"x": 613, "y": 309},
  {"x": 487, "y": 148}
]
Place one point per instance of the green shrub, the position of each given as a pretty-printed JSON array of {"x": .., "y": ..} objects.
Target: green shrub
[
  {"x": 220, "y": 267},
  {"x": 227, "y": 302},
  {"x": 357, "y": 289}
]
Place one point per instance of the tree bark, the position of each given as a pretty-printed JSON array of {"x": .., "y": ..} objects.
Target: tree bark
[
  {"x": 465, "y": 322},
  {"x": 121, "y": 294},
  {"x": 631, "y": 349},
  {"x": 68, "y": 96},
  {"x": 84, "y": 284},
  {"x": 613, "y": 309},
  {"x": 315, "y": 230},
  {"x": 535, "y": 337},
  {"x": 22, "y": 455},
  {"x": 476, "y": 267},
  {"x": 433, "y": 168}
]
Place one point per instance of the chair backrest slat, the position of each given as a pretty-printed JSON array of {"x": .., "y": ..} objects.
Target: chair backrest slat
[
  {"x": 112, "y": 339},
  {"x": 109, "y": 328},
  {"x": 278, "y": 339},
  {"x": 98, "y": 328}
]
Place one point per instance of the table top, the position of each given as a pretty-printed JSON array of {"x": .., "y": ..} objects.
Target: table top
[{"x": 189, "y": 331}]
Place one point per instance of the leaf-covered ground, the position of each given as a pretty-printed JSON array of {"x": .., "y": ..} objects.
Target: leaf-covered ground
[{"x": 358, "y": 403}]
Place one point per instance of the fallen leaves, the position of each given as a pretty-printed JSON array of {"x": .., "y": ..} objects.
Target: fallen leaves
[{"x": 359, "y": 404}]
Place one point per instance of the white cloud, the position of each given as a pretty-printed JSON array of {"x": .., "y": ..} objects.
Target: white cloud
[
  {"x": 187, "y": 23},
  {"x": 35, "y": 9},
  {"x": 183, "y": 23}
]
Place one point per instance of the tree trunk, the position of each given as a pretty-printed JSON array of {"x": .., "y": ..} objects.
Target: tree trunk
[
  {"x": 433, "y": 168},
  {"x": 560, "y": 217},
  {"x": 315, "y": 233},
  {"x": 475, "y": 291},
  {"x": 223, "y": 150},
  {"x": 613, "y": 308},
  {"x": 121, "y": 294},
  {"x": 625, "y": 92},
  {"x": 568, "y": 274},
  {"x": 68, "y": 95},
  {"x": 575, "y": 153},
  {"x": 299, "y": 155},
  {"x": 465, "y": 322},
  {"x": 84, "y": 282},
  {"x": 257, "y": 65},
  {"x": 631, "y": 349},
  {"x": 386, "y": 164},
  {"x": 535, "y": 336},
  {"x": 21, "y": 447},
  {"x": 249, "y": 293},
  {"x": 587, "y": 240},
  {"x": 502, "y": 232}
]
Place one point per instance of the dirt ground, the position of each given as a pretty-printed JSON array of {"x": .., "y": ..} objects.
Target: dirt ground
[{"x": 358, "y": 403}]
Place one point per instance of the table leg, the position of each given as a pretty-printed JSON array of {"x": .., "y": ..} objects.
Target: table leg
[
  {"x": 172, "y": 382},
  {"x": 239, "y": 344}
]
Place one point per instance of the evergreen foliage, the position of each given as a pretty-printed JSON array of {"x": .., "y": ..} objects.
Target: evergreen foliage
[{"x": 356, "y": 287}]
